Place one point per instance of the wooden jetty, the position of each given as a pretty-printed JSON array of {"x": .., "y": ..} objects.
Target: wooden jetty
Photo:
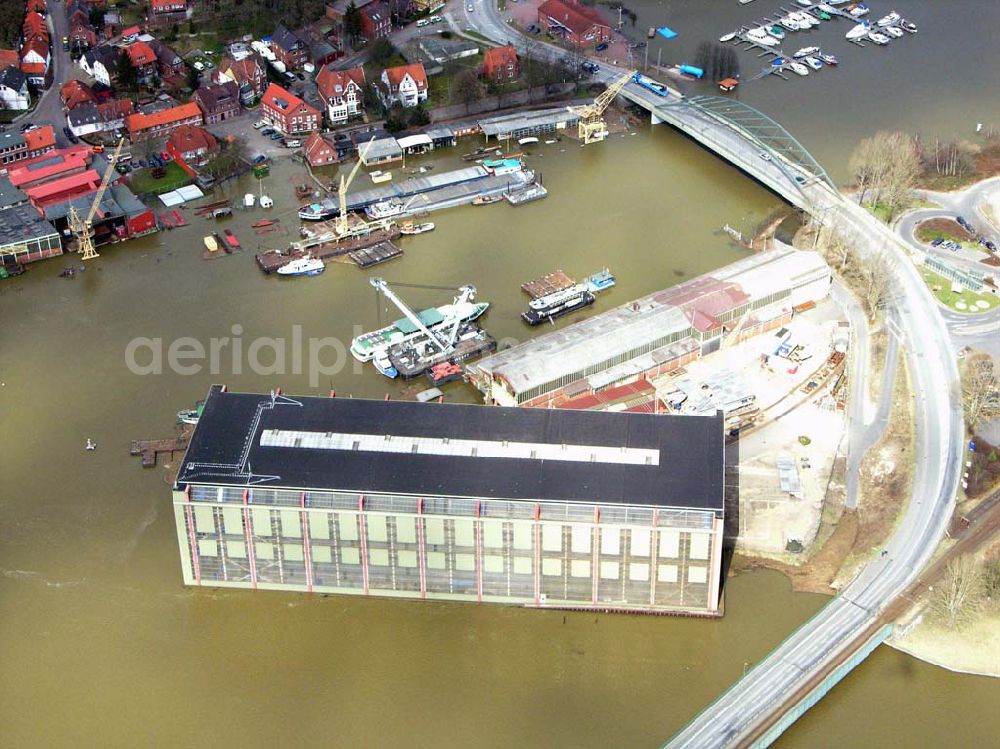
[
  {"x": 379, "y": 253},
  {"x": 547, "y": 284},
  {"x": 149, "y": 449}
]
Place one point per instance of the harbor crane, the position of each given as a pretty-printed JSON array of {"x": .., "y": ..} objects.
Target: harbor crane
[
  {"x": 83, "y": 228},
  {"x": 592, "y": 127},
  {"x": 341, "y": 225},
  {"x": 466, "y": 294}
]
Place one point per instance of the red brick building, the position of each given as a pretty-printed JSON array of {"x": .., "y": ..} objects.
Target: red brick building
[
  {"x": 289, "y": 47},
  {"x": 161, "y": 124},
  {"x": 574, "y": 22},
  {"x": 342, "y": 91},
  {"x": 376, "y": 21},
  {"x": 192, "y": 144},
  {"x": 319, "y": 151},
  {"x": 501, "y": 64},
  {"x": 143, "y": 60},
  {"x": 74, "y": 93},
  {"x": 167, "y": 7},
  {"x": 287, "y": 112},
  {"x": 219, "y": 101},
  {"x": 248, "y": 73}
]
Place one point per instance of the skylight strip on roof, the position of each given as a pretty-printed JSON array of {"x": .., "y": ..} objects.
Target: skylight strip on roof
[{"x": 458, "y": 447}]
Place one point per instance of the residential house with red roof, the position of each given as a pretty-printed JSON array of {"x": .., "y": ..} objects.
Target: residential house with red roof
[
  {"x": 319, "y": 151},
  {"x": 192, "y": 144},
  {"x": 248, "y": 73},
  {"x": 81, "y": 34},
  {"x": 74, "y": 93},
  {"x": 574, "y": 22},
  {"x": 143, "y": 60},
  {"x": 342, "y": 91},
  {"x": 218, "y": 101},
  {"x": 160, "y": 124},
  {"x": 500, "y": 64},
  {"x": 405, "y": 85},
  {"x": 34, "y": 25},
  {"x": 289, "y": 47},
  {"x": 16, "y": 147},
  {"x": 169, "y": 63},
  {"x": 167, "y": 8},
  {"x": 40, "y": 140},
  {"x": 287, "y": 112},
  {"x": 35, "y": 59},
  {"x": 376, "y": 21}
]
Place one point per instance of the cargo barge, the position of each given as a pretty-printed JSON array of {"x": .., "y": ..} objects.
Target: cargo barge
[
  {"x": 270, "y": 260},
  {"x": 552, "y": 306},
  {"x": 414, "y": 357}
]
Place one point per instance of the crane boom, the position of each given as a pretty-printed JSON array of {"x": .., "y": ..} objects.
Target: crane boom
[
  {"x": 592, "y": 127},
  {"x": 382, "y": 286},
  {"x": 83, "y": 228},
  {"x": 465, "y": 296},
  {"x": 342, "y": 218}
]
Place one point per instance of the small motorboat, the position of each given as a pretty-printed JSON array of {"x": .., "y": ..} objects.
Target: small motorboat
[
  {"x": 890, "y": 20},
  {"x": 211, "y": 243},
  {"x": 757, "y": 33},
  {"x": 303, "y": 266},
  {"x": 790, "y": 23},
  {"x": 859, "y": 10},
  {"x": 410, "y": 229},
  {"x": 828, "y": 58},
  {"x": 384, "y": 365},
  {"x": 799, "y": 69},
  {"x": 768, "y": 41},
  {"x": 804, "y": 3},
  {"x": 486, "y": 199},
  {"x": 805, "y": 52},
  {"x": 232, "y": 242},
  {"x": 249, "y": 200},
  {"x": 728, "y": 37},
  {"x": 805, "y": 20},
  {"x": 860, "y": 31},
  {"x": 908, "y": 26},
  {"x": 188, "y": 416},
  {"x": 893, "y": 31},
  {"x": 777, "y": 32},
  {"x": 600, "y": 281},
  {"x": 813, "y": 62},
  {"x": 779, "y": 61},
  {"x": 877, "y": 38}
]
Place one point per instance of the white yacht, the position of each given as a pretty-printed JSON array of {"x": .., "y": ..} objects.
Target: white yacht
[{"x": 799, "y": 69}]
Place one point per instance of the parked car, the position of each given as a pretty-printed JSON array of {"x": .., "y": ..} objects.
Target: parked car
[
  {"x": 470, "y": 7},
  {"x": 289, "y": 76},
  {"x": 267, "y": 131},
  {"x": 602, "y": 46},
  {"x": 28, "y": 126},
  {"x": 435, "y": 19},
  {"x": 423, "y": 22},
  {"x": 142, "y": 163},
  {"x": 259, "y": 124},
  {"x": 989, "y": 245},
  {"x": 963, "y": 223},
  {"x": 66, "y": 43},
  {"x": 165, "y": 155},
  {"x": 259, "y": 159},
  {"x": 590, "y": 67},
  {"x": 936, "y": 242},
  {"x": 276, "y": 136}
]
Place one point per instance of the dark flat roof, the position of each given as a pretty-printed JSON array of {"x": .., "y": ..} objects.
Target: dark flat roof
[{"x": 686, "y": 469}]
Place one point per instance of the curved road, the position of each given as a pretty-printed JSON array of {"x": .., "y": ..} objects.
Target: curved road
[{"x": 940, "y": 441}]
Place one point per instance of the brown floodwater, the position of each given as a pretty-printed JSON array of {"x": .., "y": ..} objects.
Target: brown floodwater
[{"x": 102, "y": 645}]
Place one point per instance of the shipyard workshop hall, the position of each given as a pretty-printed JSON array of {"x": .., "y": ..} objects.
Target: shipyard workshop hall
[{"x": 534, "y": 507}]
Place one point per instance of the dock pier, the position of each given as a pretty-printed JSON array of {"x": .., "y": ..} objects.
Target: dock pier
[{"x": 149, "y": 449}]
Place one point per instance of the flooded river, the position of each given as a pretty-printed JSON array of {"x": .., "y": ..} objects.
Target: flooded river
[{"x": 102, "y": 645}]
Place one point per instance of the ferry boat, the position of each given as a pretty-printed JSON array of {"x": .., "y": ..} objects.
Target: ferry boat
[
  {"x": 890, "y": 20},
  {"x": 303, "y": 266},
  {"x": 486, "y": 199},
  {"x": 436, "y": 319},
  {"x": 600, "y": 281},
  {"x": 557, "y": 304},
  {"x": 384, "y": 209},
  {"x": 409, "y": 228},
  {"x": 805, "y": 52}
]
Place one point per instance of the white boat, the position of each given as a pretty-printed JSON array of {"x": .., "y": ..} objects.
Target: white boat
[
  {"x": 890, "y": 20},
  {"x": 805, "y": 52},
  {"x": 304, "y": 266},
  {"x": 826, "y": 8},
  {"x": 859, "y": 10},
  {"x": 790, "y": 23},
  {"x": 860, "y": 31},
  {"x": 384, "y": 209},
  {"x": 409, "y": 229},
  {"x": 728, "y": 37},
  {"x": 383, "y": 364},
  {"x": 908, "y": 26},
  {"x": 758, "y": 33},
  {"x": 768, "y": 41},
  {"x": 805, "y": 20},
  {"x": 804, "y": 3},
  {"x": 380, "y": 176},
  {"x": 249, "y": 200},
  {"x": 266, "y": 202},
  {"x": 813, "y": 62},
  {"x": 530, "y": 140},
  {"x": 893, "y": 31},
  {"x": 799, "y": 69},
  {"x": 878, "y": 38}
]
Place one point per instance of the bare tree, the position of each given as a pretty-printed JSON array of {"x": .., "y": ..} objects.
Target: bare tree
[
  {"x": 980, "y": 391},
  {"x": 868, "y": 276},
  {"x": 886, "y": 165},
  {"x": 960, "y": 594},
  {"x": 468, "y": 90}
]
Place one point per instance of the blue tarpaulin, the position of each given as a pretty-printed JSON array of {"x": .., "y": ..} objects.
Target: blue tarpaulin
[{"x": 666, "y": 33}]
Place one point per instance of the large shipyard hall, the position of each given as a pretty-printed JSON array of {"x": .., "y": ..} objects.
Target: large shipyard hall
[{"x": 533, "y": 507}]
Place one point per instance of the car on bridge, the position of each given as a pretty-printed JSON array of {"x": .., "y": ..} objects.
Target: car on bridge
[{"x": 590, "y": 67}]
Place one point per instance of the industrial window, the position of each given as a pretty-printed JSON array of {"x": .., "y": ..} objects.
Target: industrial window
[
  {"x": 348, "y": 526},
  {"x": 522, "y": 534},
  {"x": 350, "y": 556},
  {"x": 261, "y": 521},
  {"x": 321, "y": 554},
  {"x": 204, "y": 518},
  {"x": 552, "y": 538},
  {"x": 669, "y": 542},
  {"x": 236, "y": 549},
  {"x": 232, "y": 520},
  {"x": 379, "y": 557},
  {"x": 264, "y": 550},
  {"x": 436, "y": 560},
  {"x": 699, "y": 546},
  {"x": 552, "y": 567},
  {"x": 435, "y": 531},
  {"x": 493, "y": 563},
  {"x": 638, "y": 571},
  {"x": 523, "y": 566},
  {"x": 376, "y": 528},
  {"x": 493, "y": 534},
  {"x": 207, "y": 548},
  {"x": 464, "y": 533},
  {"x": 406, "y": 530},
  {"x": 465, "y": 562},
  {"x": 611, "y": 541},
  {"x": 406, "y": 558},
  {"x": 579, "y": 568},
  {"x": 609, "y": 570},
  {"x": 580, "y": 539},
  {"x": 640, "y": 542},
  {"x": 667, "y": 573},
  {"x": 697, "y": 574},
  {"x": 319, "y": 525},
  {"x": 291, "y": 524},
  {"x": 293, "y": 552}
]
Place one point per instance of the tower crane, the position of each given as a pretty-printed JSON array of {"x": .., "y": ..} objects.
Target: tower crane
[
  {"x": 593, "y": 128},
  {"x": 83, "y": 228},
  {"x": 341, "y": 225}
]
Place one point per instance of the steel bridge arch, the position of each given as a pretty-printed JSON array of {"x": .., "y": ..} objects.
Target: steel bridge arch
[{"x": 757, "y": 127}]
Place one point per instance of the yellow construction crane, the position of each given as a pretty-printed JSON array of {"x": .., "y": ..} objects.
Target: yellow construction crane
[
  {"x": 593, "y": 128},
  {"x": 83, "y": 229},
  {"x": 341, "y": 225}
]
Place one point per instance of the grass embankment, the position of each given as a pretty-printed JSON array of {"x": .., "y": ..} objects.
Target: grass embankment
[
  {"x": 966, "y": 301},
  {"x": 142, "y": 181},
  {"x": 985, "y": 164},
  {"x": 946, "y": 228}
]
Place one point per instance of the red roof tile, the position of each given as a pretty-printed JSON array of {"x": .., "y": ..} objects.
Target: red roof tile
[
  {"x": 499, "y": 57},
  {"x": 70, "y": 159},
  {"x": 191, "y": 138},
  {"x": 574, "y": 16},
  {"x": 140, "y": 53},
  {"x": 138, "y": 122},
  {"x": 88, "y": 180},
  {"x": 416, "y": 71},
  {"x": 332, "y": 83},
  {"x": 9, "y": 57},
  {"x": 278, "y": 98},
  {"x": 41, "y": 137}
]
